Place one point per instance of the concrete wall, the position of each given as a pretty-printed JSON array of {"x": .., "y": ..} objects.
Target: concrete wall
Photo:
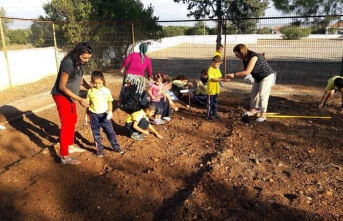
[
  {"x": 27, "y": 65},
  {"x": 198, "y": 39}
]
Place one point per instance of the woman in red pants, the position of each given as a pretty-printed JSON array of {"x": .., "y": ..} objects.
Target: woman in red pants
[{"x": 65, "y": 92}]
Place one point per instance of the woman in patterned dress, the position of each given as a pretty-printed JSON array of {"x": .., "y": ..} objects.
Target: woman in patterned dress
[{"x": 134, "y": 79}]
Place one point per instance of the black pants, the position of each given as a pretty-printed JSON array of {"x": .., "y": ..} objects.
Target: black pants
[
  {"x": 212, "y": 105},
  {"x": 143, "y": 123}
]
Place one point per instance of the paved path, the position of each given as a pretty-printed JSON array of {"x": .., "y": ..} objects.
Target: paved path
[{"x": 36, "y": 103}]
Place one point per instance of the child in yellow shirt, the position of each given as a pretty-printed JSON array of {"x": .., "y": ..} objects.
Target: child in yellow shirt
[
  {"x": 138, "y": 122},
  {"x": 213, "y": 88},
  {"x": 100, "y": 110}
]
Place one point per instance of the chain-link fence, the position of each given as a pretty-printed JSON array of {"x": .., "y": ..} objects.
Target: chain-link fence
[{"x": 175, "y": 47}]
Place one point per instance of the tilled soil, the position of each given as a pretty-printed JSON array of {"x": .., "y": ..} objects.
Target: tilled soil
[{"x": 283, "y": 169}]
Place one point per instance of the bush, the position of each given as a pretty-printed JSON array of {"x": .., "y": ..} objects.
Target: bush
[{"x": 294, "y": 32}]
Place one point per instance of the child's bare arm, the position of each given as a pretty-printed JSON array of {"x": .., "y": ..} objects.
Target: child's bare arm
[
  {"x": 154, "y": 131},
  {"x": 324, "y": 98},
  {"x": 109, "y": 106}
]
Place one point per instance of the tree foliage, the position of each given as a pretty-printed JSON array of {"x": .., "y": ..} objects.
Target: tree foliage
[
  {"x": 294, "y": 32},
  {"x": 104, "y": 23},
  {"x": 264, "y": 30},
  {"x": 19, "y": 36},
  {"x": 235, "y": 11},
  {"x": 311, "y": 7},
  {"x": 5, "y": 25},
  {"x": 41, "y": 34},
  {"x": 171, "y": 31},
  {"x": 198, "y": 29}
]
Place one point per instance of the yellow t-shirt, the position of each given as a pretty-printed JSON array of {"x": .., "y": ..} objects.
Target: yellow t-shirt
[
  {"x": 213, "y": 88},
  {"x": 330, "y": 86},
  {"x": 98, "y": 100},
  {"x": 201, "y": 88},
  {"x": 219, "y": 54},
  {"x": 136, "y": 116},
  {"x": 178, "y": 83}
]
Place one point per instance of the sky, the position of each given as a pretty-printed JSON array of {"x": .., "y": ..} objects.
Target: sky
[{"x": 164, "y": 9}]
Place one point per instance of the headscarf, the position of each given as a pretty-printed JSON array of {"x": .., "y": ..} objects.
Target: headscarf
[{"x": 143, "y": 48}]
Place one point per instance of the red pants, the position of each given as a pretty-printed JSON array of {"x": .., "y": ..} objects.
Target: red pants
[{"x": 68, "y": 116}]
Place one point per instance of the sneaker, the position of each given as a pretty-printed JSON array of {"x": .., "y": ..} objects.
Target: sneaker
[
  {"x": 120, "y": 151},
  {"x": 167, "y": 118},
  {"x": 100, "y": 154},
  {"x": 137, "y": 136},
  {"x": 216, "y": 116},
  {"x": 75, "y": 149},
  {"x": 209, "y": 118},
  {"x": 158, "y": 121},
  {"x": 70, "y": 161}
]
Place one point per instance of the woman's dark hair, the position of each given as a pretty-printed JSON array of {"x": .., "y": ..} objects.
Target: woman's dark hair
[
  {"x": 203, "y": 71},
  {"x": 149, "y": 106},
  {"x": 338, "y": 82},
  {"x": 219, "y": 46},
  {"x": 80, "y": 48},
  {"x": 98, "y": 75},
  {"x": 181, "y": 77}
]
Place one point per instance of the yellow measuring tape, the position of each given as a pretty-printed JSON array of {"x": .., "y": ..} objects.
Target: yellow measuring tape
[{"x": 277, "y": 115}]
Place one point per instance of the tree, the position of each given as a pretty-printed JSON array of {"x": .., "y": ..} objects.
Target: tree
[
  {"x": 294, "y": 32},
  {"x": 198, "y": 29},
  {"x": 104, "y": 23},
  {"x": 5, "y": 25},
  {"x": 235, "y": 11},
  {"x": 19, "y": 36},
  {"x": 41, "y": 34},
  {"x": 309, "y": 7},
  {"x": 264, "y": 30},
  {"x": 171, "y": 31}
]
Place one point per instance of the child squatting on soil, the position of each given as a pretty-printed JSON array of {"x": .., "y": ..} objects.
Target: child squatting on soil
[
  {"x": 100, "y": 110},
  {"x": 213, "y": 87},
  {"x": 334, "y": 83},
  {"x": 138, "y": 122}
]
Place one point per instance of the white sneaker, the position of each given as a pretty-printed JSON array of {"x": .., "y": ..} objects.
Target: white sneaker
[
  {"x": 70, "y": 160},
  {"x": 74, "y": 149},
  {"x": 166, "y": 118}
]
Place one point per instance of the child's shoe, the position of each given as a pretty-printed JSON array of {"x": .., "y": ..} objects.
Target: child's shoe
[
  {"x": 158, "y": 121},
  {"x": 100, "y": 154},
  {"x": 216, "y": 116},
  {"x": 166, "y": 118},
  {"x": 120, "y": 151},
  {"x": 75, "y": 149},
  {"x": 209, "y": 118},
  {"x": 137, "y": 136},
  {"x": 70, "y": 161}
]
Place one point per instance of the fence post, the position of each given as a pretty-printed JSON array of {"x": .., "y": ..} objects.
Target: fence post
[
  {"x": 5, "y": 54},
  {"x": 133, "y": 37},
  {"x": 224, "y": 48},
  {"x": 55, "y": 45}
]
